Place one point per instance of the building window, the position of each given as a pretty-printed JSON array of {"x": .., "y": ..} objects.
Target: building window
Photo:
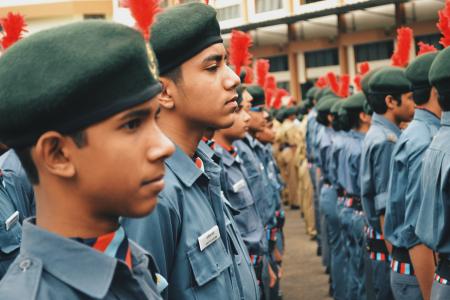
[
  {"x": 278, "y": 63},
  {"x": 310, "y": 1},
  {"x": 229, "y": 12},
  {"x": 268, "y": 5},
  {"x": 94, "y": 17},
  {"x": 374, "y": 51},
  {"x": 322, "y": 58},
  {"x": 432, "y": 39}
]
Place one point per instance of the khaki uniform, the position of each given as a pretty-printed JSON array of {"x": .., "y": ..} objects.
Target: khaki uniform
[{"x": 305, "y": 187}]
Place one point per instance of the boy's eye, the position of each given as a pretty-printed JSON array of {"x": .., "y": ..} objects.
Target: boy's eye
[
  {"x": 132, "y": 124},
  {"x": 212, "y": 68}
]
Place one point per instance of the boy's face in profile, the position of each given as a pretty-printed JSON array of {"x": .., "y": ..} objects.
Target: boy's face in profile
[{"x": 119, "y": 172}]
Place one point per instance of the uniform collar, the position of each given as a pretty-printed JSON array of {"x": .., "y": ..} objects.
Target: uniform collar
[
  {"x": 426, "y": 116},
  {"x": 382, "y": 121},
  {"x": 357, "y": 134},
  {"x": 184, "y": 167},
  {"x": 445, "y": 118},
  {"x": 77, "y": 265},
  {"x": 225, "y": 156},
  {"x": 210, "y": 153}
]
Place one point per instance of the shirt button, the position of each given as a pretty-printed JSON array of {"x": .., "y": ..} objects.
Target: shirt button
[{"x": 25, "y": 265}]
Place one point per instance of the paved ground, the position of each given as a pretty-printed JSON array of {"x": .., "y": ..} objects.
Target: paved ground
[{"x": 303, "y": 274}]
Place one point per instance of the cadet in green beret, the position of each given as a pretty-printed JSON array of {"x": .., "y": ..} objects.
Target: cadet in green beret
[
  {"x": 432, "y": 226},
  {"x": 331, "y": 239},
  {"x": 403, "y": 203},
  {"x": 312, "y": 129},
  {"x": 267, "y": 198},
  {"x": 188, "y": 234},
  {"x": 390, "y": 97},
  {"x": 351, "y": 216},
  {"x": 77, "y": 105}
]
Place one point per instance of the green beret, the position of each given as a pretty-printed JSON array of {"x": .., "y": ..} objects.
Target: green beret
[
  {"x": 280, "y": 116},
  {"x": 181, "y": 32},
  {"x": 326, "y": 103},
  {"x": 327, "y": 92},
  {"x": 290, "y": 111},
  {"x": 318, "y": 94},
  {"x": 70, "y": 77},
  {"x": 418, "y": 70},
  {"x": 389, "y": 81},
  {"x": 311, "y": 93},
  {"x": 259, "y": 98},
  {"x": 439, "y": 75},
  {"x": 355, "y": 101},
  {"x": 365, "y": 80},
  {"x": 337, "y": 106}
]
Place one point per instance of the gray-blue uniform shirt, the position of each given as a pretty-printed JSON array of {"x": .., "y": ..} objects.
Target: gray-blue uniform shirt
[
  {"x": 376, "y": 155},
  {"x": 10, "y": 227},
  {"x": 53, "y": 267},
  {"x": 256, "y": 177},
  {"x": 237, "y": 191},
  {"x": 17, "y": 184},
  {"x": 403, "y": 202},
  {"x": 311, "y": 133},
  {"x": 245, "y": 279},
  {"x": 187, "y": 232},
  {"x": 352, "y": 155},
  {"x": 433, "y": 223}
]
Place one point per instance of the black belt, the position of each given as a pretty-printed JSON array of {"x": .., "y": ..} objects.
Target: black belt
[
  {"x": 443, "y": 267},
  {"x": 401, "y": 255},
  {"x": 374, "y": 245}
]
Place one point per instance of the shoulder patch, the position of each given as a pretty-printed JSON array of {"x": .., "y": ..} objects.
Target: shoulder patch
[{"x": 392, "y": 138}]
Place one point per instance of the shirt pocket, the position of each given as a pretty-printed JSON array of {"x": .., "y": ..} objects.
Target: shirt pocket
[
  {"x": 9, "y": 239},
  {"x": 208, "y": 267},
  {"x": 239, "y": 193}
]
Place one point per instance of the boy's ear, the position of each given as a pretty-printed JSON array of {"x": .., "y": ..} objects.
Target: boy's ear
[
  {"x": 51, "y": 155},
  {"x": 391, "y": 102},
  {"x": 165, "y": 98}
]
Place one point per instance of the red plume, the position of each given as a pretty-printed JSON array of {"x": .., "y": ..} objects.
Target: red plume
[
  {"x": 333, "y": 83},
  {"x": 249, "y": 75},
  {"x": 262, "y": 69},
  {"x": 144, "y": 12},
  {"x": 344, "y": 89},
  {"x": 425, "y": 48},
  {"x": 270, "y": 88},
  {"x": 444, "y": 24},
  {"x": 364, "y": 68},
  {"x": 400, "y": 58},
  {"x": 279, "y": 95},
  {"x": 321, "y": 82},
  {"x": 13, "y": 28},
  {"x": 357, "y": 82},
  {"x": 239, "y": 55}
]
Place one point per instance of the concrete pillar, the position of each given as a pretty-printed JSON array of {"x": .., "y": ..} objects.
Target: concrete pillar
[
  {"x": 343, "y": 55},
  {"x": 293, "y": 66}
]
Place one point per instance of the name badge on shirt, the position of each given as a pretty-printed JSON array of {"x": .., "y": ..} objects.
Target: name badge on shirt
[
  {"x": 12, "y": 220},
  {"x": 238, "y": 185},
  {"x": 208, "y": 237}
]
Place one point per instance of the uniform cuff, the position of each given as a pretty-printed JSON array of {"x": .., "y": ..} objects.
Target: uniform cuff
[{"x": 380, "y": 202}]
